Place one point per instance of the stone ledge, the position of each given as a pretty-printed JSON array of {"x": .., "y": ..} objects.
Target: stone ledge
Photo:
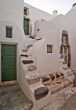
[{"x": 8, "y": 83}]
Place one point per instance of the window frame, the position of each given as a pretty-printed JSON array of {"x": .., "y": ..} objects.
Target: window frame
[
  {"x": 51, "y": 48},
  {"x": 27, "y": 30},
  {"x": 25, "y": 13},
  {"x": 9, "y": 30}
]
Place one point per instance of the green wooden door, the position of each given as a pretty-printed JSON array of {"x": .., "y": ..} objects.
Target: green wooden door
[
  {"x": 26, "y": 26},
  {"x": 8, "y": 62}
]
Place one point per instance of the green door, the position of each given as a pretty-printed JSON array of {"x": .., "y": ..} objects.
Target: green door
[
  {"x": 8, "y": 62},
  {"x": 26, "y": 26}
]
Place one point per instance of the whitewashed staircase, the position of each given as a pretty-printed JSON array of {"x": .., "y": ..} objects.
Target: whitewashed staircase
[{"x": 30, "y": 80}]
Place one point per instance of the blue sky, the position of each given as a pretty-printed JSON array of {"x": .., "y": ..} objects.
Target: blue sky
[{"x": 63, "y": 6}]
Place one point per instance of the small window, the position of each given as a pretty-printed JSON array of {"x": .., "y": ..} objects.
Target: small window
[
  {"x": 26, "y": 26},
  {"x": 37, "y": 29},
  {"x": 49, "y": 48},
  {"x": 25, "y": 11},
  {"x": 8, "y": 32}
]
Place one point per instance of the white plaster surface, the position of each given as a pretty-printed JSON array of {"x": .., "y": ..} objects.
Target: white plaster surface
[
  {"x": 11, "y": 14},
  {"x": 12, "y": 11},
  {"x": 51, "y": 33},
  {"x": 36, "y": 14},
  {"x": 56, "y": 26}
]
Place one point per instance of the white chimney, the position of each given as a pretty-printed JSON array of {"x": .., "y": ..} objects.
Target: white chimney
[
  {"x": 74, "y": 6},
  {"x": 55, "y": 12}
]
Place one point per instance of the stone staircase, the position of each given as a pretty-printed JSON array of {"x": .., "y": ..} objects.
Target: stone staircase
[
  {"x": 28, "y": 63},
  {"x": 26, "y": 52},
  {"x": 32, "y": 83}
]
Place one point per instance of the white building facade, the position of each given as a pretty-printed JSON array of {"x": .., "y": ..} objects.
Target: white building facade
[
  {"x": 11, "y": 35},
  {"x": 33, "y": 15},
  {"x": 32, "y": 47},
  {"x": 57, "y": 26}
]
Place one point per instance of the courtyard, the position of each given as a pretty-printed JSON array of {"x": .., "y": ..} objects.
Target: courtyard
[
  {"x": 70, "y": 104},
  {"x": 12, "y": 98}
]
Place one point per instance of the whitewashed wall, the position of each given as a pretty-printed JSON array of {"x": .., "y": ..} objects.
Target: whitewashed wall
[
  {"x": 17, "y": 33},
  {"x": 11, "y": 14},
  {"x": 44, "y": 27},
  {"x": 69, "y": 24},
  {"x": 66, "y": 22},
  {"x": 17, "y": 38},
  {"x": 36, "y": 14},
  {"x": 11, "y": 10},
  {"x": 47, "y": 62}
]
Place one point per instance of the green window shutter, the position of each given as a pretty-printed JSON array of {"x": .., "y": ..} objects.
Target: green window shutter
[
  {"x": 8, "y": 31},
  {"x": 8, "y": 62},
  {"x": 26, "y": 26}
]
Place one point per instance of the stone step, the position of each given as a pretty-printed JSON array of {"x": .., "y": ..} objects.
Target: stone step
[
  {"x": 33, "y": 80},
  {"x": 32, "y": 68},
  {"x": 8, "y": 83},
  {"x": 27, "y": 61},
  {"x": 24, "y": 50},
  {"x": 32, "y": 37},
  {"x": 23, "y": 55},
  {"x": 39, "y": 39},
  {"x": 28, "y": 46}
]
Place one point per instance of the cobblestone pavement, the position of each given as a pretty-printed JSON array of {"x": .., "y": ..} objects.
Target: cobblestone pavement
[
  {"x": 12, "y": 98},
  {"x": 70, "y": 104}
]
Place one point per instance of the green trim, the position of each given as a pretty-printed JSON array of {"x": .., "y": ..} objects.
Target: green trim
[
  {"x": 8, "y": 62},
  {"x": 26, "y": 26}
]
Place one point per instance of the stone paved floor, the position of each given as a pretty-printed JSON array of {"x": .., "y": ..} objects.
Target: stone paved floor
[
  {"x": 12, "y": 98},
  {"x": 70, "y": 104}
]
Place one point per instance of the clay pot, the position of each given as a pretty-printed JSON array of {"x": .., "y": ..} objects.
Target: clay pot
[{"x": 46, "y": 81}]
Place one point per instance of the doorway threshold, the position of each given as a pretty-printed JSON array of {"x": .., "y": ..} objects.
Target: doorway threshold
[{"x": 8, "y": 83}]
